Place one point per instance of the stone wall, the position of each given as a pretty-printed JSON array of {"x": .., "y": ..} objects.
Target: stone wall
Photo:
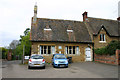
[
  {"x": 75, "y": 57},
  {"x": 108, "y": 39},
  {"x": 114, "y": 59}
]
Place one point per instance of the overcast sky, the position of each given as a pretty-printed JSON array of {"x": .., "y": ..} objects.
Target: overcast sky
[{"x": 15, "y": 15}]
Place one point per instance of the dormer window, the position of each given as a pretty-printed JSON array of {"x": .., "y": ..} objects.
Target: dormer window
[
  {"x": 47, "y": 28},
  {"x": 70, "y": 33},
  {"x": 102, "y": 38},
  {"x": 47, "y": 33},
  {"x": 69, "y": 30}
]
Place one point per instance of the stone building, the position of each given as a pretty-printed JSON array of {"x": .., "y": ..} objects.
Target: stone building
[{"x": 72, "y": 38}]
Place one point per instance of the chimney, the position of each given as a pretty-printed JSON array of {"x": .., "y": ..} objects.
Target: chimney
[
  {"x": 118, "y": 18},
  {"x": 84, "y": 16},
  {"x": 35, "y": 14}
]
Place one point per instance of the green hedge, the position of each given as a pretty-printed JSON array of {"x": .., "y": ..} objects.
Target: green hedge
[{"x": 109, "y": 49}]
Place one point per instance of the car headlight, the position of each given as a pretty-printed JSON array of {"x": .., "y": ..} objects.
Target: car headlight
[
  {"x": 56, "y": 61},
  {"x": 66, "y": 61}
]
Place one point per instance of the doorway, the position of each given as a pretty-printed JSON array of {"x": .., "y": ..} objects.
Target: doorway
[{"x": 88, "y": 54}]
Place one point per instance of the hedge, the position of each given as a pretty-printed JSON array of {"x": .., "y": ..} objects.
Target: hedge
[{"x": 109, "y": 49}]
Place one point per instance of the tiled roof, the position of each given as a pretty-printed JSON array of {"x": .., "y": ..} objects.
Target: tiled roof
[
  {"x": 57, "y": 31},
  {"x": 71, "y": 31},
  {"x": 95, "y": 25}
]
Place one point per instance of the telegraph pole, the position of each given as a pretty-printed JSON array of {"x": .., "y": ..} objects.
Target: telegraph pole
[{"x": 23, "y": 54}]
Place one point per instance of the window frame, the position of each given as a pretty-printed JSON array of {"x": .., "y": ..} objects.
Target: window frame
[
  {"x": 69, "y": 50},
  {"x": 42, "y": 49},
  {"x": 102, "y": 38}
]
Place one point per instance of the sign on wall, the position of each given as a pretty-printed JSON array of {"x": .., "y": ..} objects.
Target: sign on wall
[
  {"x": 26, "y": 57},
  {"x": 60, "y": 47}
]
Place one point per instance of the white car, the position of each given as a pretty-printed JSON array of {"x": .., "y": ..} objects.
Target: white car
[{"x": 36, "y": 60}]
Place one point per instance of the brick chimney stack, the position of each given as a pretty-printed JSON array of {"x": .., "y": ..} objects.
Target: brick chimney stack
[
  {"x": 84, "y": 16},
  {"x": 118, "y": 18},
  {"x": 35, "y": 14}
]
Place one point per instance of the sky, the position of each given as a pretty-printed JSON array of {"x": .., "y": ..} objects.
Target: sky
[{"x": 15, "y": 15}]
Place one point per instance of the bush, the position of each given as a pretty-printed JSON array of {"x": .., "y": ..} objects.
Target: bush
[{"x": 109, "y": 49}]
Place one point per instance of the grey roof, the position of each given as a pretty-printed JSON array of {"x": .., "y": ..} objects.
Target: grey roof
[
  {"x": 80, "y": 32},
  {"x": 59, "y": 32},
  {"x": 95, "y": 25}
]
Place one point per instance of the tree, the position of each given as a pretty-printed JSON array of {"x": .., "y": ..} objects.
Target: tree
[
  {"x": 24, "y": 41},
  {"x": 4, "y": 53},
  {"x": 13, "y": 44}
]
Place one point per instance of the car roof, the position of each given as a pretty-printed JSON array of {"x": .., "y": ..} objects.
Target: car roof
[
  {"x": 36, "y": 54},
  {"x": 58, "y": 54}
]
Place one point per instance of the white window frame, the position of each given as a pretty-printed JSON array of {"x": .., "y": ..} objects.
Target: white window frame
[
  {"x": 47, "y": 29},
  {"x": 77, "y": 50},
  {"x": 69, "y": 30},
  {"x": 46, "y": 50},
  {"x": 53, "y": 49},
  {"x": 101, "y": 38}
]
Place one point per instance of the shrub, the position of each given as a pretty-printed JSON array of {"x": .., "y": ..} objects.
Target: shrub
[{"x": 109, "y": 49}]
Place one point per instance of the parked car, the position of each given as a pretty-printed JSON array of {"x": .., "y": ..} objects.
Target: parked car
[
  {"x": 36, "y": 60},
  {"x": 59, "y": 60}
]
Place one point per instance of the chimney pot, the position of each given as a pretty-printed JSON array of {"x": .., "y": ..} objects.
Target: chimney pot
[
  {"x": 118, "y": 18},
  {"x": 84, "y": 16}
]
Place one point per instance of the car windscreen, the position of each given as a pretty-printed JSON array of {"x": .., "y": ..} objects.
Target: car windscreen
[
  {"x": 60, "y": 57},
  {"x": 36, "y": 57}
]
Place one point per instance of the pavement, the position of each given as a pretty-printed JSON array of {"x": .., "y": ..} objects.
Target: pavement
[
  {"x": 119, "y": 72},
  {"x": 13, "y": 69}
]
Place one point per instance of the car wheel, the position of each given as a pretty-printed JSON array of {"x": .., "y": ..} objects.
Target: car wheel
[
  {"x": 29, "y": 67},
  {"x": 44, "y": 67},
  {"x": 66, "y": 67},
  {"x": 53, "y": 65}
]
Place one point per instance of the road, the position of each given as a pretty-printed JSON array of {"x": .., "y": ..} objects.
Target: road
[
  {"x": 13, "y": 69},
  {"x": 0, "y": 68}
]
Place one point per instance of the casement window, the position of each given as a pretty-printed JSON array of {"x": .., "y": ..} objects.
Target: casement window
[
  {"x": 47, "y": 49},
  {"x": 72, "y": 50},
  {"x": 53, "y": 49},
  {"x": 102, "y": 37}
]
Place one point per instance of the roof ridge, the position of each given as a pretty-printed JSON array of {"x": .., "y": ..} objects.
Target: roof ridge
[
  {"x": 102, "y": 19},
  {"x": 60, "y": 19}
]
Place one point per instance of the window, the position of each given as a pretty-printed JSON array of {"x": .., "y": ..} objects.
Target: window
[
  {"x": 77, "y": 50},
  {"x": 72, "y": 50},
  {"x": 53, "y": 49},
  {"x": 47, "y": 49},
  {"x": 69, "y": 30},
  {"x": 47, "y": 28},
  {"x": 102, "y": 37}
]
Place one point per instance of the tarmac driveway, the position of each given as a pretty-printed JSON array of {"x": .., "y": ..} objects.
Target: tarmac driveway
[{"x": 13, "y": 69}]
